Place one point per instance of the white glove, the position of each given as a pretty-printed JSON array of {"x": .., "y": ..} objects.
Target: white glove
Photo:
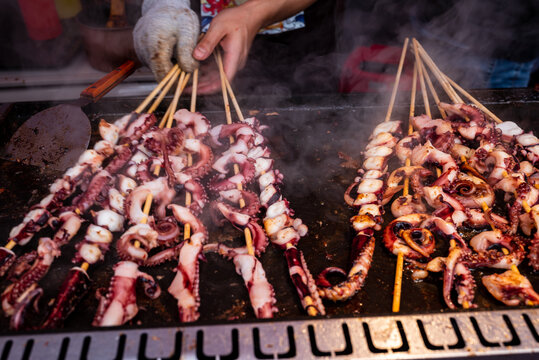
[{"x": 165, "y": 24}]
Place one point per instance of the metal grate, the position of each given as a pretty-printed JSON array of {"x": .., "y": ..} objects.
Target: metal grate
[{"x": 511, "y": 333}]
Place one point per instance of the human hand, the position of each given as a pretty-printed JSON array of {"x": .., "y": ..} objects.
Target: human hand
[
  {"x": 234, "y": 30},
  {"x": 166, "y": 24}
]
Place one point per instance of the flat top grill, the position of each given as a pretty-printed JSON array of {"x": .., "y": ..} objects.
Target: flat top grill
[{"x": 306, "y": 136}]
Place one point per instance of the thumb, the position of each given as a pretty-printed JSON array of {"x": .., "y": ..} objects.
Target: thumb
[{"x": 208, "y": 43}]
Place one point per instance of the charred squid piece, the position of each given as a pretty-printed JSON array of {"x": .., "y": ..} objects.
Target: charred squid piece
[
  {"x": 221, "y": 182},
  {"x": 529, "y": 144},
  {"x": 472, "y": 192},
  {"x": 29, "y": 300},
  {"x": 168, "y": 231},
  {"x": 203, "y": 158},
  {"x": 404, "y": 235},
  {"x": 470, "y": 122},
  {"x": 72, "y": 290},
  {"x": 70, "y": 225},
  {"x": 511, "y": 288},
  {"x": 7, "y": 259},
  {"x": 439, "y": 132},
  {"x": 303, "y": 281},
  {"x": 241, "y": 131},
  {"x": 457, "y": 275},
  {"x": 164, "y": 141},
  {"x": 184, "y": 287},
  {"x": 261, "y": 292},
  {"x": 31, "y": 224},
  {"x": 403, "y": 149},
  {"x": 47, "y": 251},
  {"x": 119, "y": 305},
  {"x": 489, "y": 245},
  {"x": 162, "y": 195},
  {"x": 144, "y": 236},
  {"x": 363, "y": 246},
  {"x": 136, "y": 127},
  {"x": 93, "y": 247},
  {"x": 428, "y": 154},
  {"x": 395, "y": 179},
  {"x": 83, "y": 202},
  {"x": 406, "y": 205},
  {"x": 194, "y": 125}
]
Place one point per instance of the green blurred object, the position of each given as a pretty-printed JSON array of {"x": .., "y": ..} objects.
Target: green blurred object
[{"x": 67, "y": 9}]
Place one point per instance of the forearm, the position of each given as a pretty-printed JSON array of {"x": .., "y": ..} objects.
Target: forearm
[{"x": 267, "y": 12}]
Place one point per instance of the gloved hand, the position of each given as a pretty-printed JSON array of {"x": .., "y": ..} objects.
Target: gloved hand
[{"x": 166, "y": 24}]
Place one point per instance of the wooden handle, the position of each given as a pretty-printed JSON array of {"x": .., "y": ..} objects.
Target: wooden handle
[{"x": 102, "y": 86}]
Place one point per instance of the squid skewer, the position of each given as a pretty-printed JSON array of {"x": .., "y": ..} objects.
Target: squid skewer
[
  {"x": 88, "y": 164},
  {"x": 96, "y": 241},
  {"x": 114, "y": 309},
  {"x": 224, "y": 80},
  {"x": 369, "y": 201},
  {"x": 397, "y": 289},
  {"x": 494, "y": 282},
  {"x": 184, "y": 287},
  {"x": 298, "y": 271}
]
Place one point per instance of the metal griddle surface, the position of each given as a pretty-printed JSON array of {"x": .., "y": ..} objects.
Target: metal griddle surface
[{"x": 306, "y": 134}]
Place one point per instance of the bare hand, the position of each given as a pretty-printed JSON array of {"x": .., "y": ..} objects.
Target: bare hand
[{"x": 234, "y": 29}]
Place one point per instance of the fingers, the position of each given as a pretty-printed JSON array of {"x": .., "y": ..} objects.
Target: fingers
[
  {"x": 187, "y": 35},
  {"x": 208, "y": 43}
]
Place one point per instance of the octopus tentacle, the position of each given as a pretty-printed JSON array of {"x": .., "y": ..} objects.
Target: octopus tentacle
[
  {"x": 168, "y": 231},
  {"x": 144, "y": 235},
  {"x": 185, "y": 216},
  {"x": 119, "y": 304},
  {"x": 73, "y": 289},
  {"x": 184, "y": 288},
  {"x": 261, "y": 292},
  {"x": 204, "y": 158},
  {"x": 356, "y": 276},
  {"x": 47, "y": 251},
  {"x": 164, "y": 255}
]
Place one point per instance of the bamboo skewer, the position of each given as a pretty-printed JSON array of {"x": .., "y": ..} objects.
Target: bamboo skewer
[
  {"x": 158, "y": 88},
  {"x": 172, "y": 108},
  {"x": 188, "y": 199},
  {"x": 11, "y": 244},
  {"x": 473, "y": 100},
  {"x": 246, "y": 231},
  {"x": 397, "y": 288},
  {"x": 311, "y": 311},
  {"x": 397, "y": 80},
  {"x": 450, "y": 84}
]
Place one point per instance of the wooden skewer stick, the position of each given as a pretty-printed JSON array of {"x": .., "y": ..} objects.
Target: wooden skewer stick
[
  {"x": 311, "y": 311},
  {"x": 438, "y": 74},
  {"x": 11, "y": 244},
  {"x": 234, "y": 101},
  {"x": 165, "y": 91},
  {"x": 420, "y": 69},
  {"x": 397, "y": 287},
  {"x": 149, "y": 197},
  {"x": 432, "y": 90},
  {"x": 473, "y": 100},
  {"x": 424, "y": 73},
  {"x": 247, "y": 232},
  {"x": 172, "y": 72},
  {"x": 188, "y": 199},
  {"x": 397, "y": 80}
]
